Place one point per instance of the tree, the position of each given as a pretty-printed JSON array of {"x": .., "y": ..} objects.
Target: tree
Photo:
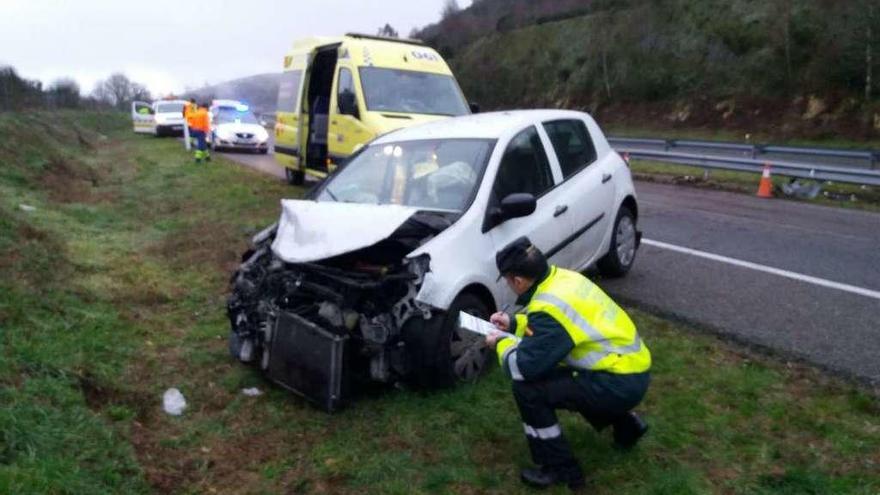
[
  {"x": 118, "y": 90},
  {"x": 450, "y": 8},
  {"x": 139, "y": 92},
  {"x": 63, "y": 92},
  {"x": 16, "y": 92},
  {"x": 101, "y": 94},
  {"x": 388, "y": 31},
  {"x": 869, "y": 48}
]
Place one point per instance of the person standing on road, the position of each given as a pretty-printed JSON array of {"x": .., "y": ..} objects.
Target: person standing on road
[
  {"x": 201, "y": 126},
  {"x": 578, "y": 351}
]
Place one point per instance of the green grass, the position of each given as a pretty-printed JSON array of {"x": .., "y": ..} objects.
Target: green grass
[
  {"x": 838, "y": 194},
  {"x": 720, "y": 134},
  {"x": 113, "y": 290}
]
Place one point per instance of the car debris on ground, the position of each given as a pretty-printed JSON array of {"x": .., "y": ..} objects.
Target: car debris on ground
[{"x": 173, "y": 402}]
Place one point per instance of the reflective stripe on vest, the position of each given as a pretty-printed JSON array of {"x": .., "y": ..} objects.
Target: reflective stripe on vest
[
  {"x": 604, "y": 337},
  {"x": 587, "y": 362}
]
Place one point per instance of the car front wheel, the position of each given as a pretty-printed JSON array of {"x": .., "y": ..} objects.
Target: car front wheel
[
  {"x": 441, "y": 354},
  {"x": 624, "y": 244}
]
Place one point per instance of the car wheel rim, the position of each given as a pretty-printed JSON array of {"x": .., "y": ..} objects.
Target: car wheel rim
[
  {"x": 468, "y": 353},
  {"x": 626, "y": 241}
]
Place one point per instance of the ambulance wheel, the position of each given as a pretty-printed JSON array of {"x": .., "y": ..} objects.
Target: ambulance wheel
[
  {"x": 439, "y": 353},
  {"x": 294, "y": 177},
  {"x": 624, "y": 244}
]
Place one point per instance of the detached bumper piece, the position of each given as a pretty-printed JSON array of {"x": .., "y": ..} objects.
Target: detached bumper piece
[{"x": 309, "y": 361}]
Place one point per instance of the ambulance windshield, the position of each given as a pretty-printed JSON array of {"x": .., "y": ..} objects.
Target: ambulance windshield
[{"x": 392, "y": 90}]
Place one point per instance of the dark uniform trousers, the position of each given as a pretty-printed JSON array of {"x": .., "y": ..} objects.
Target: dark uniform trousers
[{"x": 600, "y": 397}]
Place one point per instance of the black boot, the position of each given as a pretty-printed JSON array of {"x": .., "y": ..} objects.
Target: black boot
[
  {"x": 628, "y": 430},
  {"x": 545, "y": 477}
]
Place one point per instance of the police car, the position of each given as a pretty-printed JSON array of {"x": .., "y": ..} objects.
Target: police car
[
  {"x": 235, "y": 127},
  {"x": 392, "y": 246}
]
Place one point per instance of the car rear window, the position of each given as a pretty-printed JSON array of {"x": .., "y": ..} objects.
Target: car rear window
[{"x": 572, "y": 144}]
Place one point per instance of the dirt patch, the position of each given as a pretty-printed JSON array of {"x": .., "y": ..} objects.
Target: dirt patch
[
  {"x": 203, "y": 243},
  {"x": 99, "y": 396},
  {"x": 70, "y": 181}
]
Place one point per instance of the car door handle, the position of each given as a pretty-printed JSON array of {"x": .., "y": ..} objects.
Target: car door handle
[
  {"x": 560, "y": 210},
  {"x": 606, "y": 178}
]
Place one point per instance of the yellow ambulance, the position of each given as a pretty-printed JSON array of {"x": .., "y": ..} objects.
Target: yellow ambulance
[{"x": 337, "y": 94}]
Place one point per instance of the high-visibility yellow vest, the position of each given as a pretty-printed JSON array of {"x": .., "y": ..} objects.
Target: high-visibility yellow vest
[{"x": 605, "y": 338}]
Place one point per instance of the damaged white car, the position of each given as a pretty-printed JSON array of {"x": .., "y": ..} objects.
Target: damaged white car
[{"x": 364, "y": 280}]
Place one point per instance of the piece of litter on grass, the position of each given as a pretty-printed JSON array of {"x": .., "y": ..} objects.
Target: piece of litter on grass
[
  {"x": 173, "y": 402},
  {"x": 24, "y": 207},
  {"x": 251, "y": 392}
]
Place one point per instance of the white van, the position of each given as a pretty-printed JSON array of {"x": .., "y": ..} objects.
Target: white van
[{"x": 159, "y": 118}]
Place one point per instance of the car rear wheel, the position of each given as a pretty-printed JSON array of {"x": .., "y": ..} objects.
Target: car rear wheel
[
  {"x": 624, "y": 244},
  {"x": 440, "y": 354},
  {"x": 294, "y": 177}
]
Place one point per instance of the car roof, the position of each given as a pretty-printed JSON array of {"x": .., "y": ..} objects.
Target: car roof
[{"x": 491, "y": 125}]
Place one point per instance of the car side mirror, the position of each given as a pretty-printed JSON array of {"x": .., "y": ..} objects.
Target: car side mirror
[
  {"x": 475, "y": 107},
  {"x": 348, "y": 104},
  {"x": 518, "y": 205},
  {"x": 512, "y": 206}
]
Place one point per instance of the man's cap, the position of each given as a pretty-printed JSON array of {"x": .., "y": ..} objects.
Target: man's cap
[{"x": 513, "y": 255}]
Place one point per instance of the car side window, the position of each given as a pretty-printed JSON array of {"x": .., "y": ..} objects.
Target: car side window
[
  {"x": 572, "y": 144},
  {"x": 524, "y": 167}
]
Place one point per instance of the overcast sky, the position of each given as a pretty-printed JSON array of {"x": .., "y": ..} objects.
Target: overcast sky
[{"x": 173, "y": 44}]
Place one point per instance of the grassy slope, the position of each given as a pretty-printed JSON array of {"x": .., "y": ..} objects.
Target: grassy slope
[{"x": 113, "y": 290}]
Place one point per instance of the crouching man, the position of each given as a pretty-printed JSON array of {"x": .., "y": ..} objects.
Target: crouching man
[{"x": 579, "y": 351}]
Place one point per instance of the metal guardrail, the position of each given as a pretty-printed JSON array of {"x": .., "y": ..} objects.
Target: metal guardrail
[
  {"x": 870, "y": 157},
  {"x": 789, "y": 169}
]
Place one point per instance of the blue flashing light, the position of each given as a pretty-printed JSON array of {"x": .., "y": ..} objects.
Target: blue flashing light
[{"x": 241, "y": 107}]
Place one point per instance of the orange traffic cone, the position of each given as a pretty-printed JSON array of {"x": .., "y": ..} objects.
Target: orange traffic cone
[{"x": 765, "y": 187}]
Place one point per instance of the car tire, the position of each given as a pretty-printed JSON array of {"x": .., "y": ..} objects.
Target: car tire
[
  {"x": 294, "y": 177},
  {"x": 439, "y": 354},
  {"x": 264, "y": 151},
  {"x": 624, "y": 245}
]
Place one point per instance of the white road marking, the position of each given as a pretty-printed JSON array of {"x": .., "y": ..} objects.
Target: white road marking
[{"x": 767, "y": 269}]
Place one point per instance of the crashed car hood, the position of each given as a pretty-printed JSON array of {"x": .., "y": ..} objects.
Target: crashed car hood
[{"x": 311, "y": 231}]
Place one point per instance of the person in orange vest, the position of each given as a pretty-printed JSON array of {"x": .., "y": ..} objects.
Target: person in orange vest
[
  {"x": 189, "y": 112},
  {"x": 200, "y": 126}
]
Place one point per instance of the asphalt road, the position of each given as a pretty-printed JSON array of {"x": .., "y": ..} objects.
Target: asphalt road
[
  {"x": 796, "y": 279},
  {"x": 809, "y": 287}
]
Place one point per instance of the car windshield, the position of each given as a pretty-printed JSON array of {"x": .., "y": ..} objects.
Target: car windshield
[
  {"x": 440, "y": 175},
  {"x": 169, "y": 108},
  {"x": 391, "y": 90},
  {"x": 231, "y": 115}
]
